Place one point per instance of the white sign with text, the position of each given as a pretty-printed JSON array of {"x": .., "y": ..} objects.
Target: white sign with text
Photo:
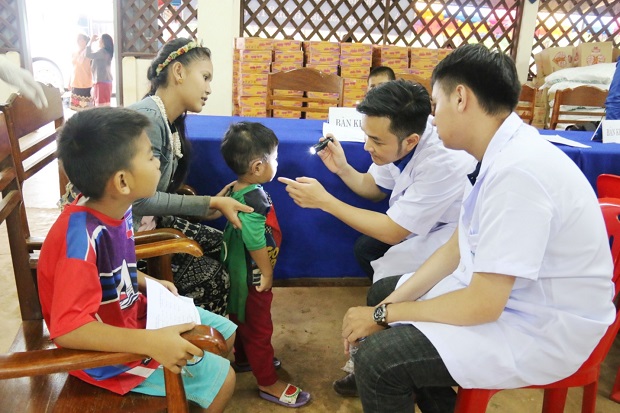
[
  {"x": 345, "y": 124},
  {"x": 611, "y": 131}
]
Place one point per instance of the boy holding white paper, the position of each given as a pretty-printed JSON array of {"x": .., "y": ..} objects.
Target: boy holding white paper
[{"x": 89, "y": 286}]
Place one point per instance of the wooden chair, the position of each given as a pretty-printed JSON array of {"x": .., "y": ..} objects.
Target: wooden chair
[
  {"x": 586, "y": 104},
  {"x": 608, "y": 186},
  {"x": 476, "y": 400},
  {"x": 33, "y": 375},
  {"x": 308, "y": 81},
  {"x": 527, "y": 103},
  {"x": 33, "y": 131},
  {"x": 424, "y": 81},
  {"x": 32, "y": 136}
]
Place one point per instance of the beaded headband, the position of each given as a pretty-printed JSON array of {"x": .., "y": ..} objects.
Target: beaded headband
[{"x": 189, "y": 46}]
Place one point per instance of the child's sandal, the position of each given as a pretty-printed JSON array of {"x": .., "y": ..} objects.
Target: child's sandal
[{"x": 292, "y": 396}]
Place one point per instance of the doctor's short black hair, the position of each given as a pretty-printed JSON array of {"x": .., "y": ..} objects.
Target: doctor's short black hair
[
  {"x": 406, "y": 104},
  {"x": 491, "y": 75}
]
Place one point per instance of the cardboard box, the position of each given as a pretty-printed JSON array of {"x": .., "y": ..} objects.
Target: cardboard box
[
  {"x": 262, "y": 56},
  {"x": 356, "y": 60},
  {"x": 393, "y": 52},
  {"x": 245, "y": 90},
  {"x": 592, "y": 53},
  {"x": 350, "y": 102},
  {"x": 286, "y": 103},
  {"x": 315, "y": 58},
  {"x": 253, "y": 43},
  {"x": 327, "y": 69},
  {"x": 356, "y": 72},
  {"x": 354, "y": 94},
  {"x": 322, "y": 95},
  {"x": 296, "y": 56},
  {"x": 253, "y": 79},
  {"x": 284, "y": 66},
  {"x": 423, "y": 53},
  {"x": 286, "y": 114},
  {"x": 251, "y": 112},
  {"x": 396, "y": 63},
  {"x": 442, "y": 53},
  {"x": 556, "y": 58},
  {"x": 615, "y": 55},
  {"x": 288, "y": 92},
  {"x": 317, "y": 115},
  {"x": 252, "y": 67},
  {"x": 321, "y": 47},
  {"x": 252, "y": 102},
  {"x": 288, "y": 45},
  {"x": 353, "y": 83},
  {"x": 348, "y": 49}
]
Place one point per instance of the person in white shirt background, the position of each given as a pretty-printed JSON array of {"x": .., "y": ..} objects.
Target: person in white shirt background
[
  {"x": 498, "y": 305},
  {"x": 379, "y": 75}
]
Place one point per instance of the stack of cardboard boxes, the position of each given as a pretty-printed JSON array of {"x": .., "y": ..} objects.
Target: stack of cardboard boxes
[
  {"x": 584, "y": 54},
  {"x": 251, "y": 66},
  {"x": 423, "y": 60},
  {"x": 355, "y": 63},
  {"x": 553, "y": 59},
  {"x": 395, "y": 57},
  {"x": 323, "y": 56},
  {"x": 255, "y": 58},
  {"x": 287, "y": 55}
]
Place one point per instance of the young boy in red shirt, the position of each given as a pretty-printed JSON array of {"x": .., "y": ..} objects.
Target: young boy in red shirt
[{"x": 90, "y": 289}]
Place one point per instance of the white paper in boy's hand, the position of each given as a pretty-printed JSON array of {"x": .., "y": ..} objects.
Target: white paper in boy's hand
[{"x": 166, "y": 309}]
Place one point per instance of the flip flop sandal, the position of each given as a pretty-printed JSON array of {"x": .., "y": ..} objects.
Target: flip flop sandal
[
  {"x": 242, "y": 368},
  {"x": 292, "y": 396}
]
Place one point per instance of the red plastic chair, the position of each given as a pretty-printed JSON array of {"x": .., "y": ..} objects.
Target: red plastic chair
[
  {"x": 608, "y": 186},
  {"x": 607, "y": 205},
  {"x": 476, "y": 400}
]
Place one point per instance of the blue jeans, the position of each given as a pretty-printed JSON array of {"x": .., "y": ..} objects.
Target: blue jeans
[
  {"x": 368, "y": 249},
  {"x": 399, "y": 367}
]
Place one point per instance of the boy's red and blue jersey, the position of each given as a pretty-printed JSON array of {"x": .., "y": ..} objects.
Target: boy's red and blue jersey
[{"x": 87, "y": 273}]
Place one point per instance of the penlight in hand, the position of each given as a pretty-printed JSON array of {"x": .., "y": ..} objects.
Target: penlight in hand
[{"x": 320, "y": 146}]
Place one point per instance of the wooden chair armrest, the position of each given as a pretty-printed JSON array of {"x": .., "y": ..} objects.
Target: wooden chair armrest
[
  {"x": 173, "y": 246},
  {"x": 34, "y": 243},
  {"x": 59, "y": 360},
  {"x": 186, "y": 190},
  {"x": 161, "y": 234}
]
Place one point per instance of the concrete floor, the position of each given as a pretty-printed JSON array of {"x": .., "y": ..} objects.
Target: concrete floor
[{"x": 307, "y": 322}]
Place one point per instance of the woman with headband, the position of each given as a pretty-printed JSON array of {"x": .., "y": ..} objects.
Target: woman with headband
[{"x": 180, "y": 77}]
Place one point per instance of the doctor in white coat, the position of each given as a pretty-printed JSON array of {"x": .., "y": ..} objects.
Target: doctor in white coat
[{"x": 425, "y": 181}]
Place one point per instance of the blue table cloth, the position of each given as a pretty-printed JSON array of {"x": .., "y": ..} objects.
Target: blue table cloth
[
  {"x": 314, "y": 243},
  {"x": 600, "y": 158}
]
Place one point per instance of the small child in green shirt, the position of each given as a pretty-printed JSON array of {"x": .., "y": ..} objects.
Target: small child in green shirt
[{"x": 249, "y": 253}]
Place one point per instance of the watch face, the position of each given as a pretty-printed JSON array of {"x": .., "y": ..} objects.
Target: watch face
[{"x": 379, "y": 314}]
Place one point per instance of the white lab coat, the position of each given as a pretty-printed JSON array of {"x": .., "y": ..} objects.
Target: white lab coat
[
  {"x": 426, "y": 198},
  {"x": 532, "y": 215}
]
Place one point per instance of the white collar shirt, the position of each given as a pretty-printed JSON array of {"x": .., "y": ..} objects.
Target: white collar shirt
[{"x": 427, "y": 193}]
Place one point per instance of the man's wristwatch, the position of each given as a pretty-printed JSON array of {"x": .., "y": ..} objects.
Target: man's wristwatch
[{"x": 380, "y": 315}]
